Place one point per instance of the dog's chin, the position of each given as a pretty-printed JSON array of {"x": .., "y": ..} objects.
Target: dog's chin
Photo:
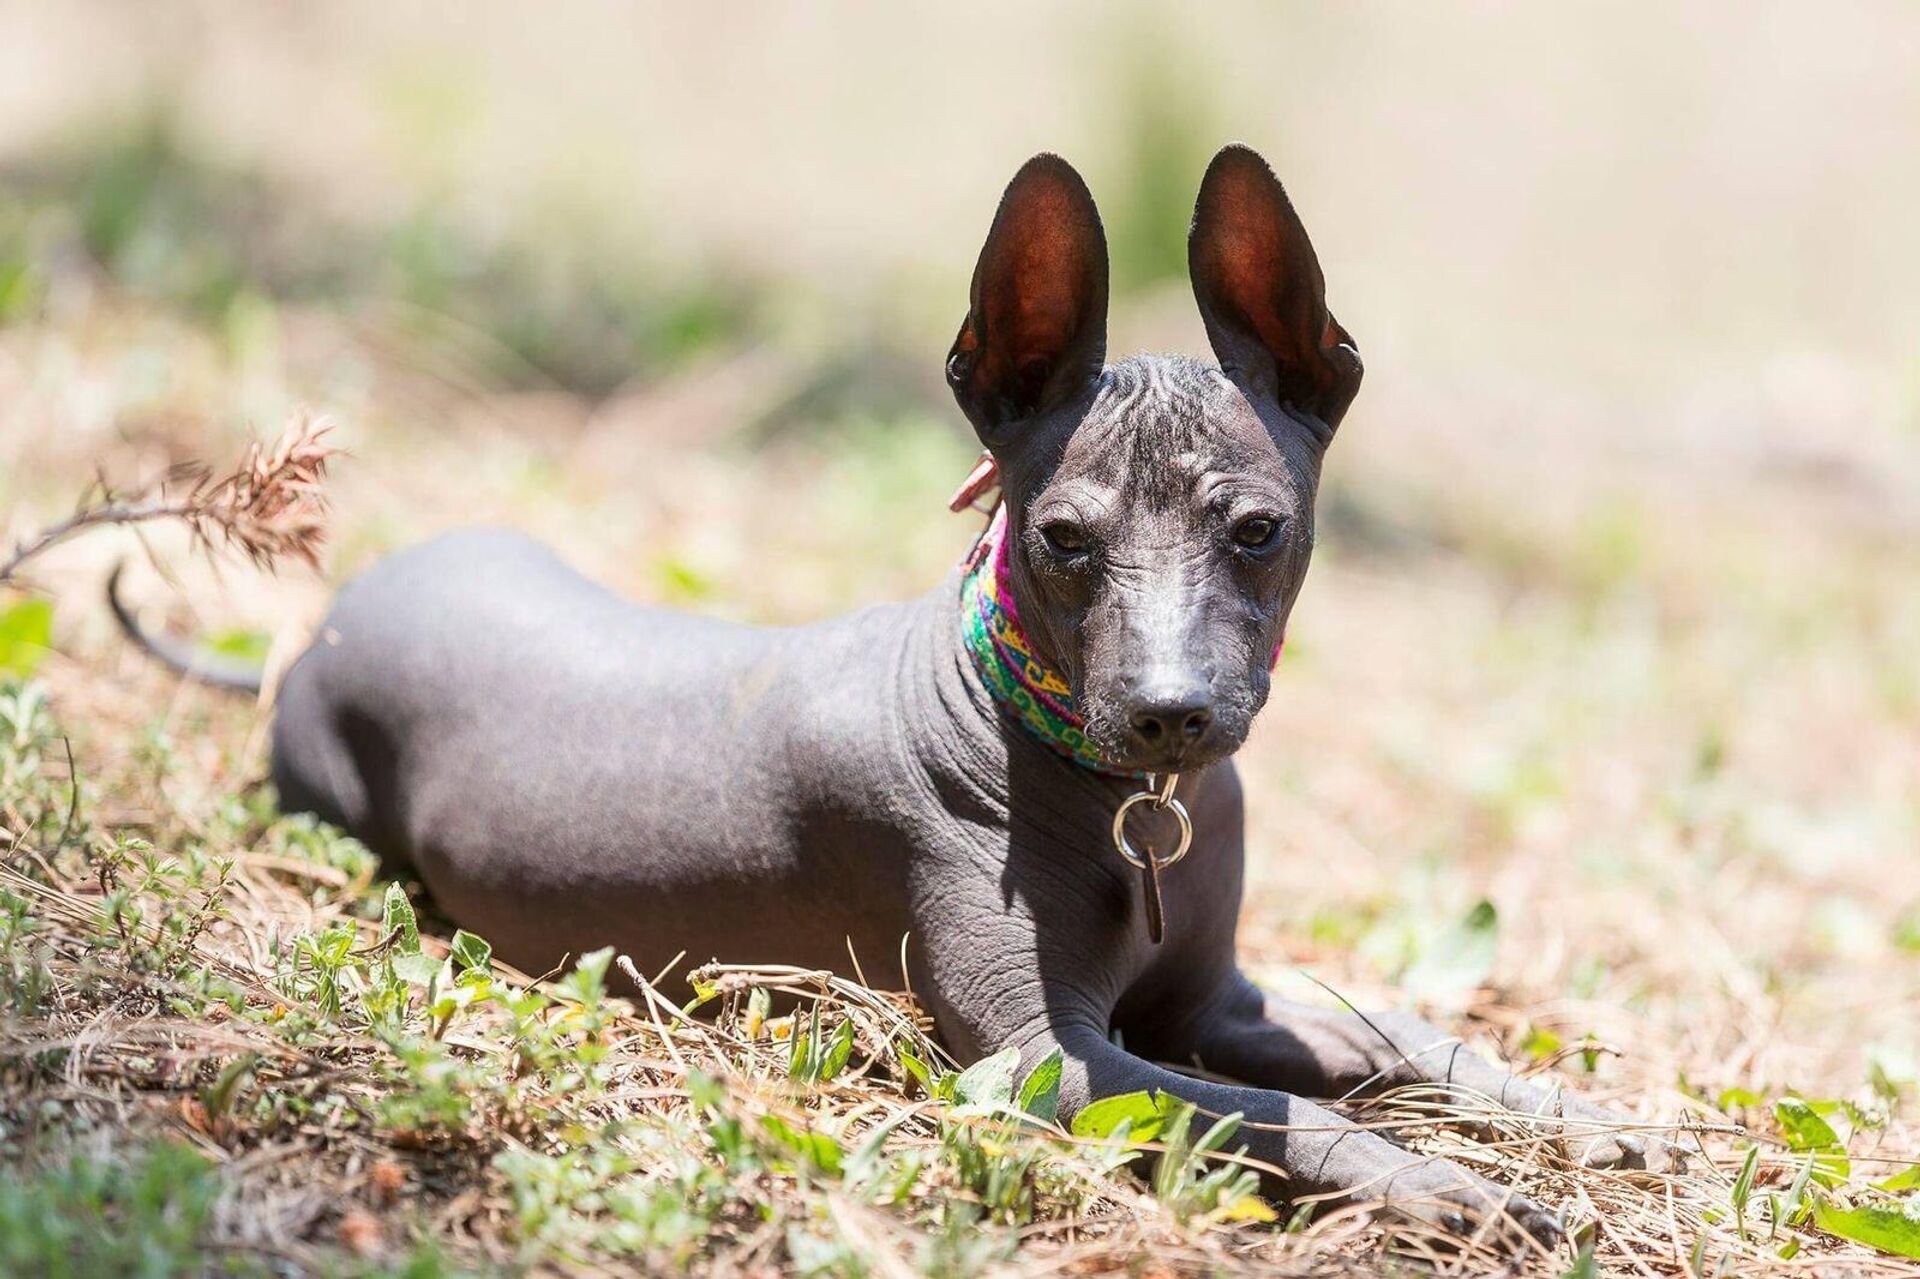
[{"x": 1188, "y": 757}]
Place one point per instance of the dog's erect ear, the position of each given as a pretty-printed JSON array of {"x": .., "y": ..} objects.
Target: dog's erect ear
[
  {"x": 1036, "y": 327},
  {"x": 1261, "y": 292}
]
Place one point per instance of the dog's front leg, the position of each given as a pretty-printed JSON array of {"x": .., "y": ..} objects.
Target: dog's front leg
[
  {"x": 1319, "y": 1153},
  {"x": 1327, "y": 1052},
  {"x": 1036, "y": 946}
]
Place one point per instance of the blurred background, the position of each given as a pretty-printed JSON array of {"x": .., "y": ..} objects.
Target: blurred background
[{"x": 1614, "y": 627}]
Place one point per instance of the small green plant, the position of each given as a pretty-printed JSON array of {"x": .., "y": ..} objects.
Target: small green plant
[
  {"x": 1808, "y": 1127},
  {"x": 1742, "y": 1190},
  {"x": 23, "y": 963},
  {"x": 138, "y": 1213},
  {"x": 27, "y": 736},
  {"x": 1182, "y": 1179}
]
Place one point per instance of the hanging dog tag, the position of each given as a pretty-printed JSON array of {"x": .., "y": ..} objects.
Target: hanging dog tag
[
  {"x": 1159, "y": 794},
  {"x": 1150, "y": 889}
]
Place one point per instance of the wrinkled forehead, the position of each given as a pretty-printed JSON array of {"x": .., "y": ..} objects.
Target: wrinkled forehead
[{"x": 1163, "y": 430}]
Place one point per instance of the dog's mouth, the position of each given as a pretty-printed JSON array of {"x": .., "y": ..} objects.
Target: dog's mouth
[
  {"x": 1185, "y": 760},
  {"x": 1122, "y": 749}
]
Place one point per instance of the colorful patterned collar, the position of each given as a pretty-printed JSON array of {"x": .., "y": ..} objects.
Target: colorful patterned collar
[{"x": 1030, "y": 691}]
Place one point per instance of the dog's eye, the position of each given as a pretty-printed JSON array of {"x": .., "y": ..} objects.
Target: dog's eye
[
  {"x": 1065, "y": 538},
  {"x": 1256, "y": 531}
]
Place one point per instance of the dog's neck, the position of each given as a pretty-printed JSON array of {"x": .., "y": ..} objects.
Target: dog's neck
[{"x": 1036, "y": 696}]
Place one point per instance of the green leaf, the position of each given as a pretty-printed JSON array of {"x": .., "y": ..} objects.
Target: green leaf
[
  {"x": 1792, "y": 1211},
  {"x": 1732, "y": 1099},
  {"x": 1460, "y": 959},
  {"x": 450, "y": 998},
  {"x": 417, "y": 969},
  {"x": 471, "y": 951},
  {"x": 1144, "y": 1113},
  {"x": 912, "y": 1064},
  {"x": 1905, "y": 1179},
  {"x": 26, "y": 633},
  {"x": 396, "y": 914},
  {"x": 1170, "y": 1169},
  {"x": 1887, "y": 1227},
  {"x": 1040, "y": 1090},
  {"x": 1743, "y": 1190},
  {"x": 1808, "y": 1132},
  {"x": 1803, "y": 1126},
  {"x": 838, "y": 1052},
  {"x": 805, "y": 1049},
  {"x": 1840, "y": 1116},
  {"x": 1219, "y": 1134},
  {"x": 989, "y": 1081},
  {"x": 820, "y": 1150}
]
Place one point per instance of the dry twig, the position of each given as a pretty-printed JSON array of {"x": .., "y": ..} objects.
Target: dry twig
[{"x": 269, "y": 506}]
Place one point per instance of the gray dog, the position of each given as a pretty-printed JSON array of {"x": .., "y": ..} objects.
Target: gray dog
[{"x": 564, "y": 769}]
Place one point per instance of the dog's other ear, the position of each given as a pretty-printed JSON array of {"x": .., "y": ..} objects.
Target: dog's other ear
[
  {"x": 1036, "y": 326},
  {"x": 1261, "y": 293}
]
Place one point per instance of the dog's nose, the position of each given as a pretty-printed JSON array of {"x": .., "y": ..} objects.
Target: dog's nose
[{"x": 1172, "y": 720}]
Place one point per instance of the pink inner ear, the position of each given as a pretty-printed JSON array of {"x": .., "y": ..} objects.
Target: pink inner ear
[
  {"x": 1036, "y": 293},
  {"x": 1275, "y": 659}
]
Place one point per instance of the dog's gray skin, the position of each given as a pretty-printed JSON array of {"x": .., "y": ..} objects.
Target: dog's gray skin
[{"x": 565, "y": 770}]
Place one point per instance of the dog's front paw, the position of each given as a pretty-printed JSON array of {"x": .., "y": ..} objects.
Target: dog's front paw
[
  {"x": 1597, "y": 1137},
  {"x": 1445, "y": 1195}
]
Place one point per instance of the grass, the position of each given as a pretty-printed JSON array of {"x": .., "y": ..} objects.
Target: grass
[
  {"x": 1587, "y": 758},
  {"x": 98, "y": 1214}
]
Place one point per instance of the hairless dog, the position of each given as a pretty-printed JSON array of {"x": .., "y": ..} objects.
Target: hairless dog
[{"x": 564, "y": 769}]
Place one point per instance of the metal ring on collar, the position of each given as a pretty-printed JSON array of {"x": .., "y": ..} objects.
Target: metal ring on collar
[{"x": 1169, "y": 804}]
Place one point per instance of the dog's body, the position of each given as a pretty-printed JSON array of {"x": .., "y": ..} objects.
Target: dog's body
[
  {"x": 565, "y": 770},
  {"x": 816, "y": 795}
]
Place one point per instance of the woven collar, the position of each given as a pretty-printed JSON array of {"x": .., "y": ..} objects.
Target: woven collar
[{"x": 1030, "y": 691}]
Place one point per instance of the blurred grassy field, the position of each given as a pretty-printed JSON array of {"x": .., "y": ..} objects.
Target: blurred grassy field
[{"x": 1614, "y": 623}]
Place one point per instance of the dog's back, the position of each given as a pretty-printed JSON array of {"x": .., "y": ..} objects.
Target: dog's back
[{"x": 561, "y": 767}]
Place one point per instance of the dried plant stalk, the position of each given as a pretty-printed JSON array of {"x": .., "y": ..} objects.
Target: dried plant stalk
[{"x": 269, "y": 507}]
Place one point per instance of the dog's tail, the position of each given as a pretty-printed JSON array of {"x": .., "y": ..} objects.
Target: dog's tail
[{"x": 219, "y": 672}]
